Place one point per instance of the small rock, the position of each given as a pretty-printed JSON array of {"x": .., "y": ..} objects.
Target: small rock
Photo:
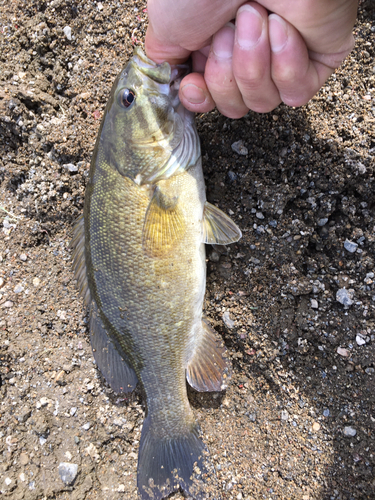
[
  {"x": 23, "y": 257},
  {"x": 360, "y": 340},
  {"x": 60, "y": 378},
  {"x": 68, "y": 472},
  {"x": 343, "y": 352},
  {"x": 326, "y": 412},
  {"x": 316, "y": 426},
  {"x": 229, "y": 323},
  {"x": 24, "y": 416},
  {"x": 350, "y": 246},
  {"x": 1, "y": 282},
  {"x": 73, "y": 411},
  {"x": 8, "y": 303},
  {"x": 68, "y": 32},
  {"x": 232, "y": 176},
  {"x": 349, "y": 432},
  {"x": 43, "y": 402},
  {"x": 86, "y": 426},
  {"x": 314, "y": 303},
  {"x": 18, "y": 289},
  {"x": 322, "y": 222},
  {"x": 24, "y": 459},
  {"x": 214, "y": 256},
  {"x": 36, "y": 281},
  {"x": 370, "y": 371},
  {"x": 284, "y": 415},
  {"x": 344, "y": 297},
  {"x": 259, "y": 215},
  {"x": 240, "y": 148},
  {"x": 70, "y": 167}
]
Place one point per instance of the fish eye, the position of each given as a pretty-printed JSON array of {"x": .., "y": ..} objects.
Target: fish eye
[{"x": 126, "y": 97}]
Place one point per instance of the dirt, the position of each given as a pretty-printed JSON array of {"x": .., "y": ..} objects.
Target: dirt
[{"x": 294, "y": 299}]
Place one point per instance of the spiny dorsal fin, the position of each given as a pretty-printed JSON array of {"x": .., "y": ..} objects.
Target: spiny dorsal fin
[
  {"x": 164, "y": 224},
  {"x": 114, "y": 366},
  {"x": 78, "y": 255},
  {"x": 218, "y": 228},
  {"x": 209, "y": 369}
]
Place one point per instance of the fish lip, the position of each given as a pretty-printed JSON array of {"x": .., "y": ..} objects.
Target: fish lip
[{"x": 178, "y": 72}]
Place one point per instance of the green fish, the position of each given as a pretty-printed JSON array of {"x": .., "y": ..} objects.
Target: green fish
[{"x": 139, "y": 258}]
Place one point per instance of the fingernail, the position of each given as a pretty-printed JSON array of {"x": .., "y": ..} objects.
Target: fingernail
[
  {"x": 193, "y": 94},
  {"x": 278, "y": 32},
  {"x": 222, "y": 44},
  {"x": 249, "y": 27}
]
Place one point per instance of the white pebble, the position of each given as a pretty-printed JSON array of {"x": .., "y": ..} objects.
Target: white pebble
[
  {"x": 360, "y": 340},
  {"x": 284, "y": 415},
  {"x": 229, "y": 323},
  {"x": 343, "y": 352},
  {"x": 68, "y": 32},
  {"x": 344, "y": 297},
  {"x": 350, "y": 246},
  {"x": 18, "y": 289},
  {"x": 349, "y": 432},
  {"x": 314, "y": 303},
  {"x": 239, "y": 148},
  {"x": 68, "y": 472}
]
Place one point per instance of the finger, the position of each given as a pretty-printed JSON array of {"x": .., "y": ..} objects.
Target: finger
[
  {"x": 194, "y": 94},
  {"x": 160, "y": 51},
  {"x": 219, "y": 75},
  {"x": 297, "y": 77},
  {"x": 252, "y": 60}
]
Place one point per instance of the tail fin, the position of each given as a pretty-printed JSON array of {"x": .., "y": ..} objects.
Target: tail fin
[{"x": 169, "y": 463}]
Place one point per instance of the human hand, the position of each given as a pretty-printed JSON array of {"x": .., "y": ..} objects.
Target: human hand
[{"x": 260, "y": 60}]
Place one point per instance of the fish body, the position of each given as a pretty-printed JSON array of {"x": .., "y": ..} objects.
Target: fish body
[{"x": 139, "y": 257}]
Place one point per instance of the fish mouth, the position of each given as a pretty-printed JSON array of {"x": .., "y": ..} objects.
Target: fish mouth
[
  {"x": 178, "y": 72},
  {"x": 167, "y": 77}
]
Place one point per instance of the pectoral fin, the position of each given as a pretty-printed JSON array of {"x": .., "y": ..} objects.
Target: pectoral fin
[
  {"x": 208, "y": 369},
  {"x": 164, "y": 224},
  {"x": 218, "y": 228}
]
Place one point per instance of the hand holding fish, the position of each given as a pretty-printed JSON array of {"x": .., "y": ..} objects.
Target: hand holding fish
[{"x": 274, "y": 52}]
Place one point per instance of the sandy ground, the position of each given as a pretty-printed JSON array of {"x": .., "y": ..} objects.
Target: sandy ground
[{"x": 294, "y": 300}]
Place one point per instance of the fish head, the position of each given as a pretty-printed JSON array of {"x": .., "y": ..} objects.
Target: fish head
[{"x": 144, "y": 121}]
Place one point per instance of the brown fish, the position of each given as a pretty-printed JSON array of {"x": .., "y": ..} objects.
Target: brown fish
[{"x": 139, "y": 257}]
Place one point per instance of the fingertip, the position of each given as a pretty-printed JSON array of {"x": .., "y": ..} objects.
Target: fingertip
[
  {"x": 194, "y": 94},
  {"x": 277, "y": 32}
]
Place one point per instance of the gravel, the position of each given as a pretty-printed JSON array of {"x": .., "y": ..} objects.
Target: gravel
[{"x": 309, "y": 172}]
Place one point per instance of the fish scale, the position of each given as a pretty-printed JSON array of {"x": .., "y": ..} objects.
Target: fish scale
[{"x": 139, "y": 256}]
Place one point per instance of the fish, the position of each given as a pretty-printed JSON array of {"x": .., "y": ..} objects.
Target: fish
[{"x": 139, "y": 259}]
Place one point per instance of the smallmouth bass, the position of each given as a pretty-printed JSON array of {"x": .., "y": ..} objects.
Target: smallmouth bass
[{"x": 139, "y": 258}]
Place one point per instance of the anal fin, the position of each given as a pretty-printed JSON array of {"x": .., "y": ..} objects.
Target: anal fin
[
  {"x": 209, "y": 369},
  {"x": 114, "y": 367},
  {"x": 218, "y": 228}
]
